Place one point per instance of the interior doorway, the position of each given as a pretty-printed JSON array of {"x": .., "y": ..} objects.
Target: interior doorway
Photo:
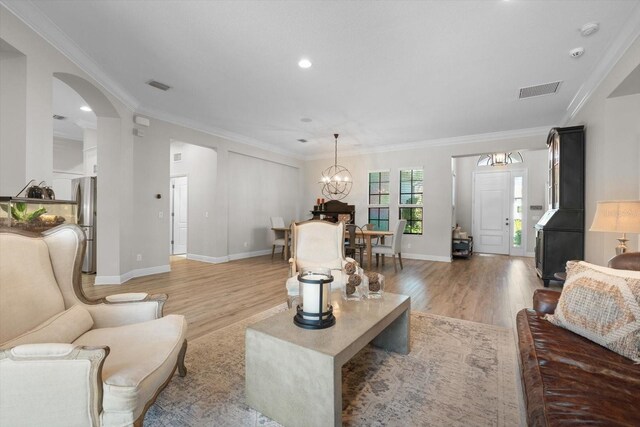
[
  {"x": 498, "y": 203},
  {"x": 179, "y": 202}
]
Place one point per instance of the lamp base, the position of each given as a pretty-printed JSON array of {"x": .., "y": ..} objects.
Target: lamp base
[
  {"x": 622, "y": 246},
  {"x": 314, "y": 320}
]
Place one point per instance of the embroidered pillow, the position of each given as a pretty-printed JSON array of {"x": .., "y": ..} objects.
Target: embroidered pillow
[{"x": 602, "y": 305}]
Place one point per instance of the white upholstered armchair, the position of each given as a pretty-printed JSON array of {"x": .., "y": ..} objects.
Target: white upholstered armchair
[
  {"x": 67, "y": 361},
  {"x": 316, "y": 244}
]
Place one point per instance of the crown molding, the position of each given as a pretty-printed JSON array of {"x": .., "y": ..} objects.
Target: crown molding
[
  {"x": 212, "y": 130},
  {"x": 541, "y": 131},
  {"x": 629, "y": 33},
  {"x": 35, "y": 19},
  {"x": 64, "y": 135}
]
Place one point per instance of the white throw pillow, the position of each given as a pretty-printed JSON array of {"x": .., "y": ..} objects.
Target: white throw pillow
[{"x": 64, "y": 327}]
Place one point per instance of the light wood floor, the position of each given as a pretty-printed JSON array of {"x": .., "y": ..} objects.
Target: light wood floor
[{"x": 486, "y": 288}]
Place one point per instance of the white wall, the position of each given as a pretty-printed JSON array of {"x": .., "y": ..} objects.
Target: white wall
[
  {"x": 612, "y": 152},
  {"x": 259, "y": 190},
  {"x": 33, "y": 107},
  {"x": 67, "y": 165},
  {"x": 435, "y": 243},
  {"x": 90, "y": 152},
  {"x": 534, "y": 162},
  {"x": 13, "y": 126},
  {"x": 199, "y": 165},
  {"x": 151, "y": 156}
]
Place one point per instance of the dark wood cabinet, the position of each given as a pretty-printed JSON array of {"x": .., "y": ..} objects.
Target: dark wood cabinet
[
  {"x": 334, "y": 210},
  {"x": 560, "y": 231}
]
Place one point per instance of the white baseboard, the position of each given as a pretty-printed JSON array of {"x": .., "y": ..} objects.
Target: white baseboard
[
  {"x": 209, "y": 259},
  {"x": 231, "y": 257},
  {"x": 244, "y": 255},
  {"x": 119, "y": 280},
  {"x": 530, "y": 254},
  {"x": 427, "y": 257}
]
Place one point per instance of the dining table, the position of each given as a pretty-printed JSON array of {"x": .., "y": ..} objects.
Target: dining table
[
  {"x": 368, "y": 235},
  {"x": 286, "y": 231}
]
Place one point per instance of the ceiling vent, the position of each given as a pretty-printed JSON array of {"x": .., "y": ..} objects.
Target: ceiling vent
[
  {"x": 539, "y": 90},
  {"x": 177, "y": 157},
  {"x": 158, "y": 85},
  {"x": 58, "y": 117}
]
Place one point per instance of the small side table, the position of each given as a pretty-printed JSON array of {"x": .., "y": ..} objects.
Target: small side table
[{"x": 462, "y": 248}]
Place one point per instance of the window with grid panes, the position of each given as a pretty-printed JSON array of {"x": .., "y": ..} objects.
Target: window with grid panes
[
  {"x": 379, "y": 199},
  {"x": 411, "y": 190}
]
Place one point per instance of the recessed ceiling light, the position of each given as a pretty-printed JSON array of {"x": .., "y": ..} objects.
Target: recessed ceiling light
[
  {"x": 86, "y": 108},
  {"x": 304, "y": 63},
  {"x": 305, "y": 120}
]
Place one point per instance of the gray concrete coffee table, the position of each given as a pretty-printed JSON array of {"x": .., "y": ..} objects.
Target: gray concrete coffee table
[{"x": 294, "y": 375}]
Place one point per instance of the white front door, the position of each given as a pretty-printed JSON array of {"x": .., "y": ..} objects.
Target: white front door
[
  {"x": 179, "y": 202},
  {"x": 491, "y": 213}
]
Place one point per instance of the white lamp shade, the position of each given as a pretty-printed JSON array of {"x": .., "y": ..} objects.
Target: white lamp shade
[{"x": 621, "y": 216}]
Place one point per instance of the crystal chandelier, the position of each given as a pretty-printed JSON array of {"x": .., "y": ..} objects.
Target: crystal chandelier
[
  {"x": 336, "y": 180},
  {"x": 499, "y": 159}
]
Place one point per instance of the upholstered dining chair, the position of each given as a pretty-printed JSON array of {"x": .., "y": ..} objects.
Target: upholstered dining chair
[
  {"x": 66, "y": 360},
  {"x": 395, "y": 248},
  {"x": 278, "y": 236},
  {"x": 316, "y": 244}
]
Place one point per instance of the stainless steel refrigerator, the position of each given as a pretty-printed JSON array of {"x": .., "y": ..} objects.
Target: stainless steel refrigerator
[{"x": 84, "y": 192}]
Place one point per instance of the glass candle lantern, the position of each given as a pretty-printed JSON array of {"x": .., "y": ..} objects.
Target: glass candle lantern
[{"x": 315, "y": 310}]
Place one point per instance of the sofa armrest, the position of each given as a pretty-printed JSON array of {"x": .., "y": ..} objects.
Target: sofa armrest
[
  {"x": 545, "y": 301},
  {"x": 123, "y": 311},
  {"x": 51, "y": 384}
]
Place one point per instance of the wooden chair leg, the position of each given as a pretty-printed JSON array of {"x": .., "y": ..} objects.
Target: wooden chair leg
[
  {"x": 273, "y": 251},
  {"x": 377, "y": 259},
  {"x": 395, "y": 268},
  {"x": 400, "y": 259},
  {"x": 182, "y": 370},
  {"x": 282, "y": 251},
  {"x": 361, "y": 257},
  {"x": 383, "y": 260}
]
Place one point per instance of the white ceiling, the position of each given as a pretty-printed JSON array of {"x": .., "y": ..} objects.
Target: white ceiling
[
  {"x": 67, "y": 103},
  {"x": 384, "y": 73}
]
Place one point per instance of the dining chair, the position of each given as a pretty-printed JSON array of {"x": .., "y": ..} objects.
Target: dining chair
[
  {"x": 355, "y": 244},
  {"x": 278, "y": 236},
  {"x": 395, "y": 248}
]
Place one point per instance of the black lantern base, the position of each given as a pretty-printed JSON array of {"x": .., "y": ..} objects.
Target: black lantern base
[{"x": 316, "y": 320}]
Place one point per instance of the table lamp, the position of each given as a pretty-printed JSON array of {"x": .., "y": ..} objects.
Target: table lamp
[{"x": 621, "y": 216}]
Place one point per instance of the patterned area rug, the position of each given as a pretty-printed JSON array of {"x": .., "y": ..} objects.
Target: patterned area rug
[{"x": 458, "y": 373}]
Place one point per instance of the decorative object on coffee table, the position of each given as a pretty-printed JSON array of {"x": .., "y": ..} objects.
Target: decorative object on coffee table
[
  {"x": 315, "y": 310},
  {"x": 376, "y": 285},
  {"x": 355, "y": 283}
]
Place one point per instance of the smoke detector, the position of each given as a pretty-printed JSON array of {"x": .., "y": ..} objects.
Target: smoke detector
[
  {"x": 302, "y": 140},
  {"x": 590, "y": 28},
  {"x": 576, "y": 52}
]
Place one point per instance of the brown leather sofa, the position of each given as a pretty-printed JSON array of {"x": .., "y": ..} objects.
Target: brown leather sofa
[{"x": 569, "y": 380}]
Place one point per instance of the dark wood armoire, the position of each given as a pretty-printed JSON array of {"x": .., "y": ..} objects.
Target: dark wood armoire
[{"x": 560, "y": 231}]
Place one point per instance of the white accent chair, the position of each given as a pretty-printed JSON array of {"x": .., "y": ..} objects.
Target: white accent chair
[
  {"x": 316, "y": 244},
  {"x": 278, "y": 236},
  {"x": 69, "y": 361},
  {"x": 395, "y": 248}
]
